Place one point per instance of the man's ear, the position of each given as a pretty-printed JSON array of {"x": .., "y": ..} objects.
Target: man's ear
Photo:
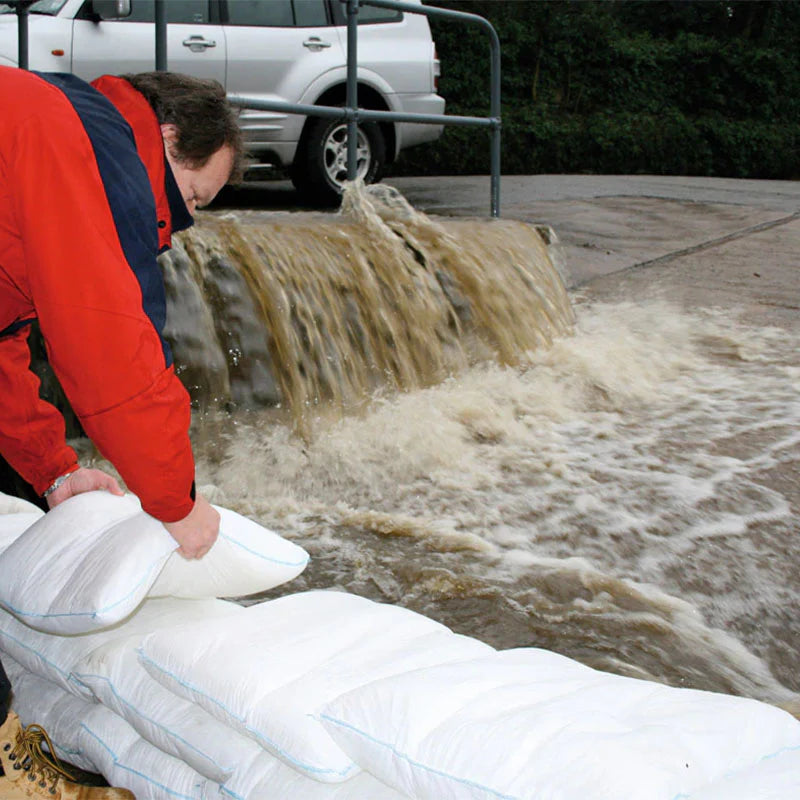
[{"x": 169, "y": 132}]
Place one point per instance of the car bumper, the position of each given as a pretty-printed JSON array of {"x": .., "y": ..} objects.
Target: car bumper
[{"x": 412, "y": 133}]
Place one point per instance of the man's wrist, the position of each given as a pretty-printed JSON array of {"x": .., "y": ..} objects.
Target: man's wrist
[{"x": 59, "y": 481}]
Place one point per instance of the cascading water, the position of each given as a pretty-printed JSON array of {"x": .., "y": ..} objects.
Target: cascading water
[
  {"x": 312, "y": 310},
  {"x": 414, "y": 402}
]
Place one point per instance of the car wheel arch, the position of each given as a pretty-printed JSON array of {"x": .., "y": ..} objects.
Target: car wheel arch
[{"x": 369, "y": 98}]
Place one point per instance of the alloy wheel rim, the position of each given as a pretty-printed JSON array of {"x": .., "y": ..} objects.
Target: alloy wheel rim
[{"x": 335, "y": 155}]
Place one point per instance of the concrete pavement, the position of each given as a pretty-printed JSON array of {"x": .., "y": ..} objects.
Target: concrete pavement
[{"x": 607, "y": 224}]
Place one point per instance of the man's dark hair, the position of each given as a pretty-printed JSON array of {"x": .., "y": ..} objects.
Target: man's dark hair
[{"x": 200, "y": 112}]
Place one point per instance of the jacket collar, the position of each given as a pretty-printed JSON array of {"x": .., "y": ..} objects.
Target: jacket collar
[{"x": 173, "y": 216}]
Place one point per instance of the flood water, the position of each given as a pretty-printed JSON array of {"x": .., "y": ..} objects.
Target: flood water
[{"x": 606, "y": 479}]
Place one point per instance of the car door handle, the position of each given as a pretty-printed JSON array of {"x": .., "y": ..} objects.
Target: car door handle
[
  {"x": 198, "y": 43},
  {"x": 315, "y": 43}
]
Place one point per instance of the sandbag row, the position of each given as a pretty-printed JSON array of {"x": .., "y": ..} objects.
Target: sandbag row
[
  {"x": 316, "y": 687},
  {"x": 105, "y": 712},
  {"x": 325, "y": 695},
  {"x": 92, "y": 737}
]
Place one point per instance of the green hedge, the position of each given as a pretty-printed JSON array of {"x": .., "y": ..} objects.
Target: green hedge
[{"x": 700, "y": 88}]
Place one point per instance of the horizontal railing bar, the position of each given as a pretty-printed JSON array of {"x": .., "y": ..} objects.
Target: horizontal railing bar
[{"x": 342, "y": 112}]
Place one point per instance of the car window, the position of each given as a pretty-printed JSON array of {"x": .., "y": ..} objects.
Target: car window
[
  {"x": 51, "y": 7},
  {"x": 310, "y": 13},
  {"x": 367, "y": 15},
  {"x": 277, "y": 13},
  {"x": 180, "y": 11}
]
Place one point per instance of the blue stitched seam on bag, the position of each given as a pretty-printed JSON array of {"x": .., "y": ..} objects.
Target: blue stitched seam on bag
[
  {"x": 80, "y": 675},
  {"x": 131, "y": 769},
  {"x": 47, "y": 661},
  {"x": 92, "y": 614},
  {"x": 465, "y": 781},
  {"x": 734, "y": 771},
  {"x": 300, "y": 563},
  {"x": 101, "y": 741},
  {"x": 287, "y": 756},
  {"x": 231, "y": 793}
]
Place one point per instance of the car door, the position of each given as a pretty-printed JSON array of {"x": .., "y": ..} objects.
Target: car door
[
  {"x": 195, "y": 43},
  {"x": 275, "y": 50}
]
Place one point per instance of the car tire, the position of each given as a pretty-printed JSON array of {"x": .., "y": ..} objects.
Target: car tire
[{"x": 321, "y": 163}]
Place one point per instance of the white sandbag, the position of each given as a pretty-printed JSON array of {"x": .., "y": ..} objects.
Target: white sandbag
[
  {"x": 16, "y": 505},
  {"x": 291, "y": 656},
  {"x": 88, "y": 563},
  {"x": 85, "y": 565},
  {"x": 126, "y": 760},
  {"x": 176, "y": 726},
  {"x": 55, "y": 657},
  {"x": 16, "y": 516},
  {"x": 38, "y": 701},
  {"x": 246, "y": 559},
  {"x": 268, "y": 778},
  {"x": 12, "y": 526},
  {"x": 257, "y": 775},
  {"x": 529, "y": 723},
  {"x": 773, "y": 778}
]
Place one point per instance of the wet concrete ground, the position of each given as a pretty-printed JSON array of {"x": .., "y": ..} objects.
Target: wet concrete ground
[{"x": 610, "y": 223}]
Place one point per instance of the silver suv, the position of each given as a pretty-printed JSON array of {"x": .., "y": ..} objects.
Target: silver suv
[{"x": 290, "y": 50}]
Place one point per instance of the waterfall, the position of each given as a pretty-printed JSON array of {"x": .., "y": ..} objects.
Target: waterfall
[{"x": 303, "y": 310}]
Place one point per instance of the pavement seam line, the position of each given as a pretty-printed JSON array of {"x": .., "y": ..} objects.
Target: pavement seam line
[{"x": 729, "y": 237}]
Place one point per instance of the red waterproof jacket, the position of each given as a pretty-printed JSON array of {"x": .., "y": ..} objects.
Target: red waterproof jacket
[{"x": 87, "y": 201}]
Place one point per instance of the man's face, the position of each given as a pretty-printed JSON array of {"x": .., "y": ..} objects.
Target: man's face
[{"x": 199, "y": 186}]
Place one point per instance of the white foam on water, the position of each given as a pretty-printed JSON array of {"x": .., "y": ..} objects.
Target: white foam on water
[{"x": 635, "y": 449}]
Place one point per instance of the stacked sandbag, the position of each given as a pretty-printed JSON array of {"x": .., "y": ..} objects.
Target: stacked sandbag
[
  {"x": 292, "y": 655},
  {"x": 124, "y": 652},
  {"x": 86, "y": 585},
  {"x": 92, "y": 560},
  {"x": 91, "y": 579},
  {"x": 529, "y": 723}
]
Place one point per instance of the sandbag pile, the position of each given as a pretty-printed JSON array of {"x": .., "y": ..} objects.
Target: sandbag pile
[{"x": 124, "y": 653}]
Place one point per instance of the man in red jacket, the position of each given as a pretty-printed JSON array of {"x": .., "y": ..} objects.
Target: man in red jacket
[{"x": 94, "y": 179}]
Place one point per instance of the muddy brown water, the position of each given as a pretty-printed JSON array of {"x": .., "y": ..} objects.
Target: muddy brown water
[{"x": 423, "y": 406}]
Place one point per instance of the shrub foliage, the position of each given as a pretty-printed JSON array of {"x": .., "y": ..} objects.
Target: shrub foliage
[{"x": 624, "y": 86}]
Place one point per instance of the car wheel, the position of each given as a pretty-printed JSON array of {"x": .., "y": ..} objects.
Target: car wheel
[{"x": 321, "y": 166}]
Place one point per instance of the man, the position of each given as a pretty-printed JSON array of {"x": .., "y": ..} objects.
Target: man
[{"x": 94, "y": 179}]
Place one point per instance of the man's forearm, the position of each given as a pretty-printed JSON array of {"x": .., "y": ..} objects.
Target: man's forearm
[{"x": 31, "y": 430}]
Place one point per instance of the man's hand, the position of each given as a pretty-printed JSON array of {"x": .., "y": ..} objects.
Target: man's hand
[
  {"x": 197, "y": 531},
  {"x": 83, "y": 480}
]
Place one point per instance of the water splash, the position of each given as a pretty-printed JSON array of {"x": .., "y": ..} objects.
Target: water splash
[
  {"x": 605, "y": 498},
  {"x": 306, "y": 309}
]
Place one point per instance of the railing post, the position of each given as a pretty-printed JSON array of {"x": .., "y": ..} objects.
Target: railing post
[
  {"x": 495, "y": 114},
  {"x": 21, "y": 7},
  {"x": 352, "y": 89},
  {"x": 494, "y": 118},
  {"x": 161, "y": 35}
]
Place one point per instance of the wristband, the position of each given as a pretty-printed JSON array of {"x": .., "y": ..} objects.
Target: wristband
[{"x": 57, "y": 482}]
